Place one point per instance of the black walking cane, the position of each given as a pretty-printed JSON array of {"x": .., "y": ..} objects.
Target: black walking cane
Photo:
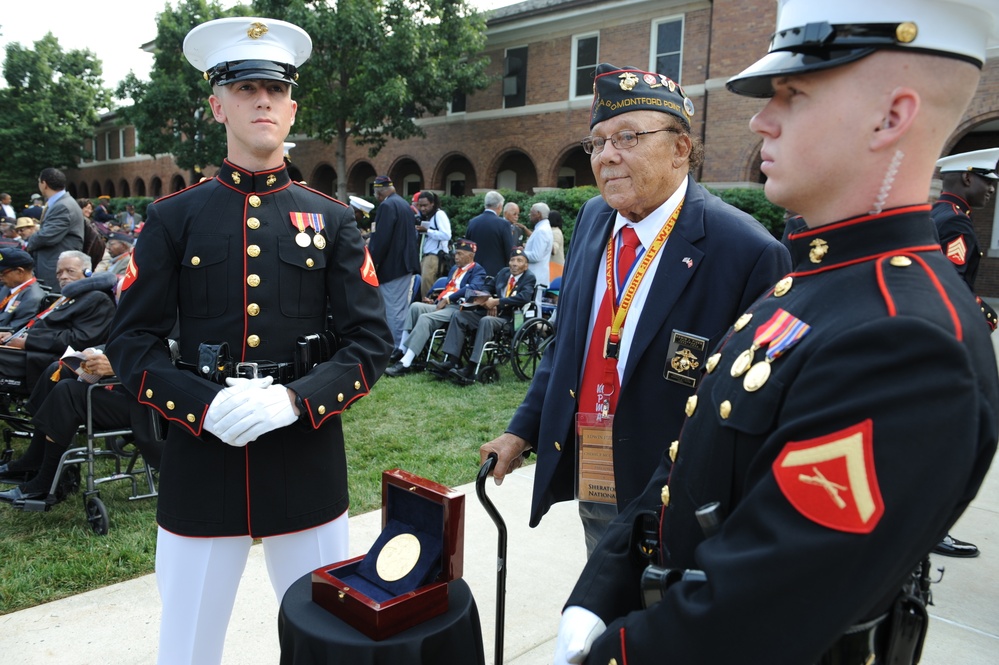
[{"x": 480, "y": 491}]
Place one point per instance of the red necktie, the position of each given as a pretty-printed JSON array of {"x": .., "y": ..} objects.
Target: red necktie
[
  {"x": 626, "y": 255},
  {"x": 599, "y": 369},
  {"x": 509, "y": 286}
]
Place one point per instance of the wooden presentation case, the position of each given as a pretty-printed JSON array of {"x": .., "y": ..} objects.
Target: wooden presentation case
[{"x": 403, "y": 494}]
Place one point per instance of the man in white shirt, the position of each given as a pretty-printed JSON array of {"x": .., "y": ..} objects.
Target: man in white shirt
[
  {"x": 6, "y": 207},
  {"x": 538, "y": 249}
]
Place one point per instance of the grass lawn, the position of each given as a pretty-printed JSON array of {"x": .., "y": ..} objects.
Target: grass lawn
[{"x": 430, "y": 428}]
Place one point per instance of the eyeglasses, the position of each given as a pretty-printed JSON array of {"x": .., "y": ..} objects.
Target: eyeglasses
[{"x": 622, "y": 140}]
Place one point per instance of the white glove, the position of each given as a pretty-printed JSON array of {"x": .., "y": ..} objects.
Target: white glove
[
  {"x": 576, "y": 632},
  {"x": 227, "y": 399},
  {"x": 260, "y": 410}
]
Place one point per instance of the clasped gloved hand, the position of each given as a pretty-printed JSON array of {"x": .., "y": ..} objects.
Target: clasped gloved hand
[
  {"x": 576, "y": 632},
  {"x": 247, "y": 409}
]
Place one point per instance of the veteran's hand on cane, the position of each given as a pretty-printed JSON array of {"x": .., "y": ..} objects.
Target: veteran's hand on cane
[
  {"x": 509, "y": 449},
  {"x": 228, "y": 399},
  {"x": 261, "y": 410},
  {"x": 576, "y": 632}
]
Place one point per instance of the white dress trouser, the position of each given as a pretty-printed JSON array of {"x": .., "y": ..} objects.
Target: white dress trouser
[{"x": 198, "y": 579}]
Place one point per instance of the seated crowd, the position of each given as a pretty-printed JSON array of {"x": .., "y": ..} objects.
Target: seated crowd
[
  {"x": 53, "y": 299},
  {"x": 472, "y": 307}
]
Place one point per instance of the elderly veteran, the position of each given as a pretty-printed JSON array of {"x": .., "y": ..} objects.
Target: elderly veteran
[
  {"x": 658, "y": 269},
  {"x": 247, "y": 264},
  {"x": 430, "y": 315},
  {"x": 791, "y": 521},
  {"x": 21, "y": 294}
]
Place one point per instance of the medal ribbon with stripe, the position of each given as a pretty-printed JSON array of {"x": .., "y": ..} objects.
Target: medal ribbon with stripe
[
  {"x": 780, "y": 333},
  {"x": 300, "y": 220},
  {"x": 791, "y": 332}
]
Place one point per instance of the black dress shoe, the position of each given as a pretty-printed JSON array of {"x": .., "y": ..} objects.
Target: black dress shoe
[
  {"x": 396, "y": 356},
  {"x": 17, "y": 496},
  {"x": 397, "y": 369},
  {"x": 440, "y": 369},
  {"x": 951, "y": 546},
  {"x": 463, "y": 377}
]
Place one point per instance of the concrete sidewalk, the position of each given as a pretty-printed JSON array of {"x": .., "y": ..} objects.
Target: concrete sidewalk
[{"x": 118, "y": 625}]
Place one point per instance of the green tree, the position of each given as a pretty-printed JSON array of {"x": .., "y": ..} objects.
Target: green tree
[
  {"x": 50, "y": 106},
  {"x": 170, "y": 111},
  {"x": 379, "y": 65}
]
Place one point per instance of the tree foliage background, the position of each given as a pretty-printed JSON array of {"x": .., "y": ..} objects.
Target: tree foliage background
[
  {"x": 50, "y": 105},
  {"x": 170, "y": 111},
  {"x": 376, "y": 66}
]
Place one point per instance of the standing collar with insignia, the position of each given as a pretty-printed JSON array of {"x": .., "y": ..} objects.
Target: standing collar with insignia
[
  {"x": 250, "y": 182},
  {"x": 955, "y": 200},
  {"x": 862, "y": 238}
]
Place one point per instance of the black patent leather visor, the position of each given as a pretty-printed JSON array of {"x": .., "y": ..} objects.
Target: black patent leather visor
[
  {"x": 242, "y": 70},
  {"x": 755, "y": 80}
]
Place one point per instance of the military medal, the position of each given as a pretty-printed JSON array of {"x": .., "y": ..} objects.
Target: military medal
[
  {"x": 300, "y": 220},
  {"x": 398, "y": 558},
  {"x": 781, "y": 332},
  {"x": 756, "y": 376}
]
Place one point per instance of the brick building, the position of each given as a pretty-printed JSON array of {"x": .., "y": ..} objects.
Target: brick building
[{"x": 522, "y": 132}]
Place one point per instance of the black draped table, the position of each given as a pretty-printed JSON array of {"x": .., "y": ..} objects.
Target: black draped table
[{"x": 311, "y": 636}]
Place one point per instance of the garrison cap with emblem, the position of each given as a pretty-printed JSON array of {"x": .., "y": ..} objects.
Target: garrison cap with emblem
[
  {"x": 618, "y": 90},
  {"x": 15, "y": 258},
  {"x": 121, "y": 237},
  {"x": 247, "y": 47},
  {"x": 465, "y": 245},
  {"x": 982, "y": 162},
  {"x": 517, "y": 251},
  {"x": 383, "y": 181},
  {"x": 813, "y": 36}
]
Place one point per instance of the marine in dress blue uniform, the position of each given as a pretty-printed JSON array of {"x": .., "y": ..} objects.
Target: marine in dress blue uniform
[
  {"x": 848, "y": 417},
  {"x": 969, "y": 181},
  {"x": 256, "y": 261}
]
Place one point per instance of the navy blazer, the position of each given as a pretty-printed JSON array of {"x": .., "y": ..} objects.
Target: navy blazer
[
  {"x": 491, "y": 234},
  {"x": 475, "y": 280},
  {"x": 394, "y": 245},
  {"x": 717, "y": 261},
  {"x": 28, "y": 300},
  {"x": 523, "y": 294}
]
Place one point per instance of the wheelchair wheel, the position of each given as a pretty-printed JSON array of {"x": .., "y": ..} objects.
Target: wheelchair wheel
[
  {"x": 529, "y": 344},
  {"x": 488, "y": 375},
  {"x": 97, "y": 515}
]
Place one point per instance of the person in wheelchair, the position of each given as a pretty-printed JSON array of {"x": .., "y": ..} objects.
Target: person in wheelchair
[
  {"x": 426, "y": 317},
  {"x": 513, "y": 288},
  {"x": 21, "y": 294},
  {"x": 79, "y": 318},
  {"x": 59, "y": 407}
]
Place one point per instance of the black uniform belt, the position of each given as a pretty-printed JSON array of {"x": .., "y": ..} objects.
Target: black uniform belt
[{"x": 282, "y": 372}]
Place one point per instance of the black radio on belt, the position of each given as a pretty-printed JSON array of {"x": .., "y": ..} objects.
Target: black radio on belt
[
  {"x": 310, "y": 350},
  {"x": 656, "y": 580}
]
